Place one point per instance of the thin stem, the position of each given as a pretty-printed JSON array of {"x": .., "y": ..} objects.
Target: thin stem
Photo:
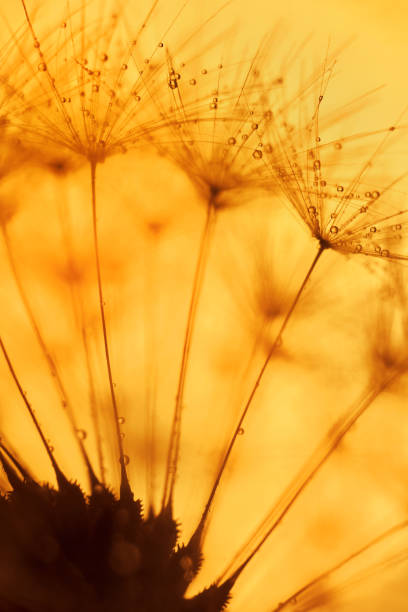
[
  {"x": 328, "y": 572},
  {"x": 151, "y": 304},
  {"x": 48, "y": 357},
  {"x": 258, "y": 380},
  {"x": 31, "y": 411},
  {"x": 174, "y": 444},
  {"x": 309, "y": 471},
  {"x": 124, "y": 479}
]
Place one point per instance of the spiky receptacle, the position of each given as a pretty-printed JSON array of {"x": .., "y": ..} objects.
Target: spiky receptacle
[{"x": 64, "y": 550}]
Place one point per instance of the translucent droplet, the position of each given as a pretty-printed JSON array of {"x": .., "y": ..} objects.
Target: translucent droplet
[
  {"x": 373, "y": 229},
  {"x": 385, "y": 253},
  {"x": 312, "y": 211},
  {"x": 104, "y": 57},
  {"x": 318, "y": 139},
  {"x": 268, "y": 148},
  {"x": 136, "y": 98},
  {"x": 213, "y": 105},
  {"x": 173, "y": 83},
  {"x": 125, "y": 66},
  {"x": 320, "y": 98},
  {"x": 121, "y": 420},
  {"x": 122, "y": 435},
  {"x": 124, "y": 459},
  {"x": 363, "y": 209},
  {"x": 192, "y": 81},
  {"x": 323, "y": 183},
  {"x": 42, "y": 67},
  {"x": 81, "y": 433},
  {"x": 244, "y": 137},
  {"x": 398, "y": 226},
  {"x": 316, "y": 164},
  {"x": 161, "y": 44},
  {"x": 36, "y": 44},
  {"x": 220, "y": 66},
  {"x": 268, "y": 115},
  {"x": 375, "y": 194},
  {"x": 204, "y": 71},
  {"x": 368, "y": 194},
  {"x": 257, "y": 154},
  {"x": 358, "y": 248},
  {"x": 340, "y": 188},
  {"x": 334, "y": 229},
  {"x": 231, "y": 140},
  {"x": 254, "y": 126},
  {"x": 241, "y": 431},
  {"x": 338, "y": 145}
]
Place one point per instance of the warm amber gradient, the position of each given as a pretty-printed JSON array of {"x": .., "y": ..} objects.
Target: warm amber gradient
[{"x": 149, "y": 232}]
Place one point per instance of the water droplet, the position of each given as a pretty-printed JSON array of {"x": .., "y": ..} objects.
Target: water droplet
[
  {"x": 125, "y": 66},
  {"x": 368, "y": 194},
  {"x": 241, "y": 431},
  {"x": 334, "y": 229},
  {"x": 385, "y": 253},
  {"x": 358, "y": 248},
  {"x": 213, "y": 105},
  {"x": 268, "y": 115},
  {"x": 104, "y": 57},
  {"x": 220, "y": 66},
  {"x": 121, "y": 420},
  {"x": 323, "y": 183},
  {"x": 373, "y": 229},
  {"x": 122, "y": 435},
  {"x": 244, "y": 137},
  {"x": 268, "y": 148},
  {"x": 398, "y": 226},
  {"x": 375, "y": 194},
  {"x": 63, "y": 24},
  {"x": 320, "y": 98},
  {"x": 42, "y": 67},
  {"x": 312, "y": 211},
  {"x": 192, "y": 81},
  {"x": 161, "y": 44},
  {"x": 254, "y": 126},
  {"x": 81, "y": 433},
  {"x": 338, "y": 145},
  {"x": 51, "y": 448},
  {"x": 204, "y": 71},
  {"x": 136, "y": 98},
  {"x": 95, "y": 87},
  {"x": 257, "y": 154},
  {"x": 231, "y": 140},
  {"x": 340, "y": 188},
  {"x": 173, "y": 83},
  {"x": 318, "y": 139},
  {"x": 36, "y": 44},
  {"x": 316, "y": 165},
  {"x": 124, "y": 460},
  {"x": 363, "y": 209}
]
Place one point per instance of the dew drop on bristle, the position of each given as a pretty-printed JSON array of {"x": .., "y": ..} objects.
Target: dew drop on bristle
[
  {"x": 257, "y": 154},
  {"x": 368, "y": 194},
  {"x": 81, "y": 433},
  {"x": 385, "y": 253},
  {"x": 173, "y": 83},
  {"x": 124, "y": 459},
  {"x": 334, "y": 229},
  {"x": 312, "y": 211},
  {"x": 104, "y": 57},
  {"x": 373, "y": 229},
  {"x": 340, "y": 188},
  {"x": 160, "y": 44},
  {"x": 192, "y": 81},
  {"x": 241, "y": 431},
  {"x": 375, "y": 195},
  {"x": 121, "y": 420},
  {"x": 358, "y": 248},
  {"x": 125, "y": 66},
  {"x": 316, "y": 164},
  {"x": 42, "y": 67},
  {"x": 363, "y": 209},
  {"x": 338, "y": 146},
  {"x": 204, "y": 71}
]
